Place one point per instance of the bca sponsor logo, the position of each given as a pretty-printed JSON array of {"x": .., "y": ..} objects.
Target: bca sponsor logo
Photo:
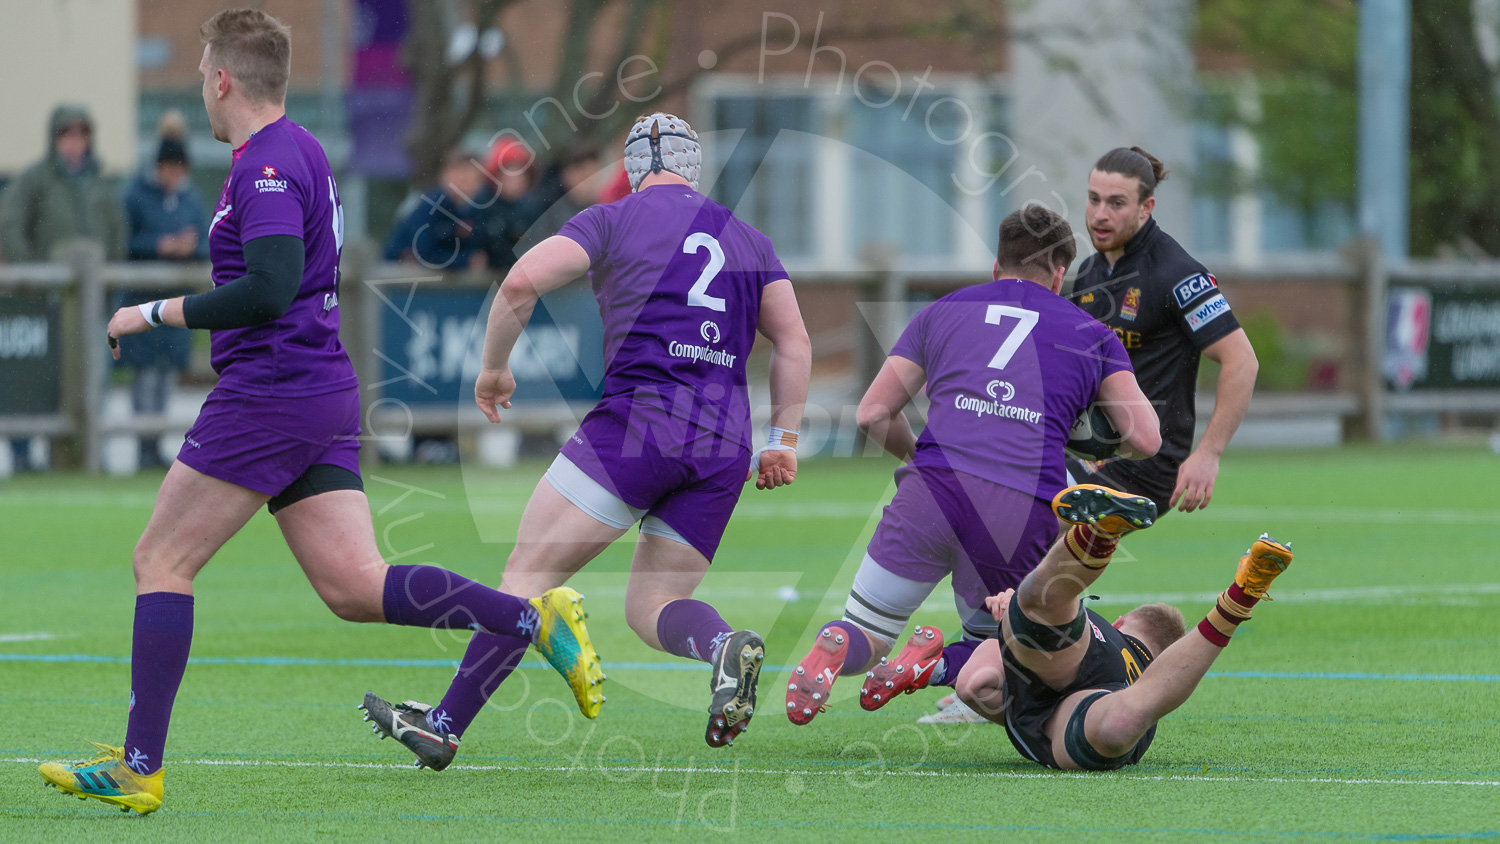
[
  {"x": 1192, "y": 287},
  {"x": 1208, "y": 312},
  {"x": 268, "y": 183}
]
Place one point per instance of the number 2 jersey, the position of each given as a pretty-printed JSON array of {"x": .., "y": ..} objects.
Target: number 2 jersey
[
  {"x": 679, "y": 280},
  {"x": 1009, "y": 365},
  {"x": 280, "y": 184}
]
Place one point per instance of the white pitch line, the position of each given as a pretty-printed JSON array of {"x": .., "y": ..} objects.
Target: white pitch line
[
  {"x": 859, "y": 771},
  {"x": 26, "y": 637}
]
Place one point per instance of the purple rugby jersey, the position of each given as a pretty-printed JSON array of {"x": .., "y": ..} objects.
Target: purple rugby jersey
[
  {"x": 678, "y": 280},
  {"x": 1009, "y": 365},
  {"x": 280, "y": 184}
]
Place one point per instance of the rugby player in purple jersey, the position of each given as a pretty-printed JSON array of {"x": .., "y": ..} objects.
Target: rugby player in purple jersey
[
  {"x": 683, "y": 287},
  {"x": 279, "y": 429},
  {"x": 1008, "y": 367}
]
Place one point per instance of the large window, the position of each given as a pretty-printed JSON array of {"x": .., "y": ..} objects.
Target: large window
[
  {"x": 1237, "y": 211},
  {"x": 769, "y": 191},
  {"x": 852, "y": 176}
]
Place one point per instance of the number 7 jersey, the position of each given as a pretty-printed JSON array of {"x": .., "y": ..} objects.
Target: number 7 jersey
[
  {"x": 1009, "y": 365},
  {"x": 678, "y": 279}
]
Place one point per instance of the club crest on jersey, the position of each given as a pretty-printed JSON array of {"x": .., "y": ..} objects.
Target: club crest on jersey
[
  {"x": 268, "y": 183},
  {"x": 1192, "y": 287},
  {"x": 1132, "y": 304}
]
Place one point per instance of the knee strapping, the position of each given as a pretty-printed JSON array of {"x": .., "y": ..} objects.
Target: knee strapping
[
  {"x": 1077, "y": 741},
  {"x": 1044, "y": 637}
]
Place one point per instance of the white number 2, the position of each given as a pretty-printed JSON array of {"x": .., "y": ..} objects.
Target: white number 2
[
  {"x": 698, "y": 296},
  {"x": 1018, "y": 334}
]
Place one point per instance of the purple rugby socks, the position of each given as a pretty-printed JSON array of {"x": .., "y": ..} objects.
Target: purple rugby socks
[
  {"x": 857, "y": 657},
  {"x": 158, "y": 657},
  {"x": 427, "y": 596},
  {"x": 486, "y": 664},
  {"x": 691, "y": 629}
]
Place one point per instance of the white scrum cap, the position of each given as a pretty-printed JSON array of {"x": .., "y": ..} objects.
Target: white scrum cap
[{"x": 662, "y": 142}]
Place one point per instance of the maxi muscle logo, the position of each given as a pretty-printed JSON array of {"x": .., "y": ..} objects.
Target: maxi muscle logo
[{"x": 983, "y": 407}]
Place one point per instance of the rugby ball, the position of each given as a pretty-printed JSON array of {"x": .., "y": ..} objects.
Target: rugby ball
[{"x": 1093, "y": 436}]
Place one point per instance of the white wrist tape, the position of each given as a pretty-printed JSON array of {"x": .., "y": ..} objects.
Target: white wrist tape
[
  {"x": 152, "y": 312},
  {"x": 780, "y": 439}
]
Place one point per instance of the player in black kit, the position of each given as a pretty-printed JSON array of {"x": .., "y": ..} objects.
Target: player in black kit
[
  {"x": 1167, "y": 310},
  {"x": 1074, "y": 691}
]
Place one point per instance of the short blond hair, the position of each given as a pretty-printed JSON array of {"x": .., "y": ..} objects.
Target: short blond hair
[
  {"x": 255, "y": 48},
  {"x": 1162, "y": 625}
]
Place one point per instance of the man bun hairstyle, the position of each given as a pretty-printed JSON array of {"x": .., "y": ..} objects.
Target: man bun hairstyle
[
  {"x": 1162, "y": 625},
  {"x": 255, "y": 48},
  {"x": 1134, "y": 161},
  {"x": 1034, "y": 242}
]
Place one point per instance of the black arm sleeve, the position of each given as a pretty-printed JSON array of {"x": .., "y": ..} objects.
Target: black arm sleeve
[{"x": 273, "y": 274}]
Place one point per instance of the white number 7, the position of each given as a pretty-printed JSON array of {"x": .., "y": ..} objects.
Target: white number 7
[
  {"x": 698, "y": 295},
  {"x": 1017, "y": 335}
]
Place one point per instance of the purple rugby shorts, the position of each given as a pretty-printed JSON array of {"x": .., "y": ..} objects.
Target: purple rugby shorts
[
  {"x": 942, "y": 522},
  {"x": 687, "y": 477},
  {"x": 264, "y": 444}
]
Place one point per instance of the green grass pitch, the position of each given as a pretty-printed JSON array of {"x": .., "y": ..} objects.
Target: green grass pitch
[{"x": 1363, "y": 704}]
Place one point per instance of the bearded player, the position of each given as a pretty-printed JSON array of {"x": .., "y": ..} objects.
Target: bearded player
[
  {"x": 1008, "y": 366},
  {"x": 682, "y": 287},
  {"x": 1168, "y": 311},
  {"x": 1075, "y": 692},
  {"x": 279, "y": 428}
]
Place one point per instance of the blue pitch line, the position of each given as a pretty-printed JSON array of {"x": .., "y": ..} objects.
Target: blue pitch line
[{"x": 694, "y": 666}]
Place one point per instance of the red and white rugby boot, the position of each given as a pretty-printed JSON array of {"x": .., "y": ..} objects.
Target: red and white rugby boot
[
  {"x": 911, "y": 671},
  {"x": 812, "y": 680}
]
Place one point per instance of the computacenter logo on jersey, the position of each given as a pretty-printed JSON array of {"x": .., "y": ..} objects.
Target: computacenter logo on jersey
[
  {"x": 269, "y": 183},
  {"x": 981, "y": 407},
  {"x": 703, "y": 353},
  {"x": 1192, "y": 287},
  {"x": 1208, "y": 312}
]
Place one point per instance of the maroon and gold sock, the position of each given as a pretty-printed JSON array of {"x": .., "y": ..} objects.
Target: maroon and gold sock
[
  {"x": 1233, "y": 607},
  {"x": 1090, "y": 546}
]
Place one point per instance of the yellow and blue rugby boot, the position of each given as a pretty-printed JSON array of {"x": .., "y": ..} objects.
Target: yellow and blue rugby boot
[
  {"x": 563, "y": 639},
  {"x": 106, "y": 777}
]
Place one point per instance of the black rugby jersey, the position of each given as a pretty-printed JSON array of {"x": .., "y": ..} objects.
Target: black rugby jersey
[{"x": 1166, "y": 308}]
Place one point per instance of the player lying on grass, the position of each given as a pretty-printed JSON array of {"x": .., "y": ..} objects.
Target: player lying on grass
[
  {"x": 1008, "y": 366},
  {"x": 279, "y": 429},
  {"x": 1075, "y": 692},
  {"x": 683, "y": 287}
]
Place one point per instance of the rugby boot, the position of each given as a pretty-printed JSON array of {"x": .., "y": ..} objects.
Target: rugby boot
[
  {"x": 407, "y": 723},
  {"x": 911, "y": 671},
  {"x": 736, "y": 670},
  {"x": 1266, "y": 559},
  {"x": 954, "y": 711},
  {"x": 812, "y": 680},
  {"x": 1107, "y": 510},
  {"x": 564, "y": 640},
  {"x": 106, "y": 777}
]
